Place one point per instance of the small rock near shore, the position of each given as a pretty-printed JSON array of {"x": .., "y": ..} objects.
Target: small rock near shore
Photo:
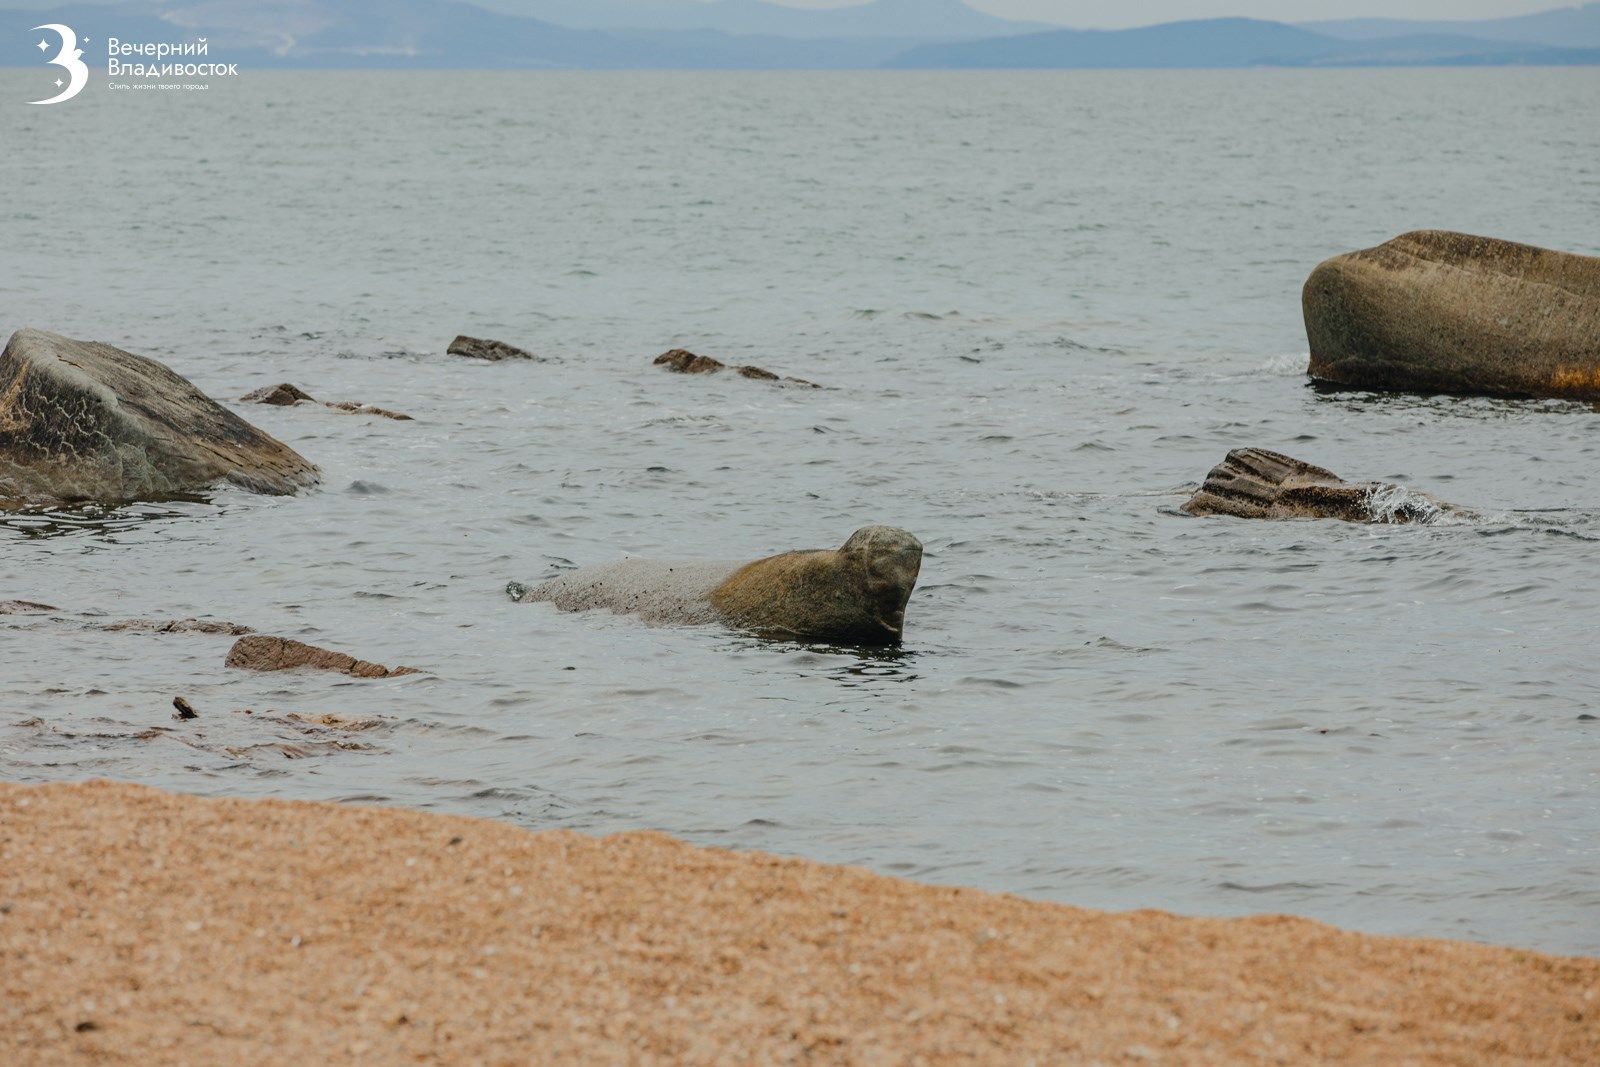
[{"x": 258, "y": 653}]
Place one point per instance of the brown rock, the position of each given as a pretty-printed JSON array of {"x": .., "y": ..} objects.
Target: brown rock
[
  {"x": 1434, "y": 311},
  {"x": 683, "y": 361},
  {"x": 283, "y": 395},
  {"x": 367, "y": 409},
  {"x": 1253, "y": 483},
  {"x": 185, "y": 710},
  {"x": 686, "y": 362},
  {"x": 24, "y": 607},
  {"x": 258, "y": 653},
  {"x": 493, "y": 351},
  {"x": 206, "y": 931}
]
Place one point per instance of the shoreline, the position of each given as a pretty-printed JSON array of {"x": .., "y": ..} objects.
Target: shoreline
[{"x": 143, "y": 926}]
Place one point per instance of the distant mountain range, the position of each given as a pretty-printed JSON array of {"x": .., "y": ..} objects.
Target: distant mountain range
[
  {"x": 921, "y": 20},
  {"x": 1238, "y": 43},
  {"x": 751, "y": 34}
]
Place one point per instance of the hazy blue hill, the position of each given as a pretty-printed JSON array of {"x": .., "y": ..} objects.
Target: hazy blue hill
[
  {"x": 1204, "y": 43},
  {"x": 1223, "y": 43},
  {"x": 1569, "y": 27},
  {"x": 424, "y": 34},
  {"x": 925, "y": 20}
]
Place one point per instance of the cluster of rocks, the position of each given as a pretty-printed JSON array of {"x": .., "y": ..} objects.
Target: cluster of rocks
[
  {"x": 683, "y": 361},
  {"x": 1435, "y": 312}
]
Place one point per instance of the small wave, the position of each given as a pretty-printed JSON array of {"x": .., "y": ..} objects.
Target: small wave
[
  {"x": 1285, "y": 365},
  {"x": 1396, "y": 503}
]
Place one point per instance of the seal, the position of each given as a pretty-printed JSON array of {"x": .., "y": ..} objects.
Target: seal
[{"x": 854, "y": 594}]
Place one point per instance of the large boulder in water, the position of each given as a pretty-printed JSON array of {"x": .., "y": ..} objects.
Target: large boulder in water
[
  {"x": 854, "y": 594},
  {"x": 1446, "y": 312},
  {"x": 1253, "y": 483},
  {"x": 81, "y": 420}
]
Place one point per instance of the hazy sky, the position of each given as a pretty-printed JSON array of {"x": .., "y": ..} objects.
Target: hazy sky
[{"x": 1141, "y": 12}]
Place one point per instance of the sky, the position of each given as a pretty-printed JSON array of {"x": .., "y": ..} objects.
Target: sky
[{"x": 1143, "y": 12}]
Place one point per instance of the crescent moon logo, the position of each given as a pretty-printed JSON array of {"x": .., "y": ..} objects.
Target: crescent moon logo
[{"x": 69, "y": 58}]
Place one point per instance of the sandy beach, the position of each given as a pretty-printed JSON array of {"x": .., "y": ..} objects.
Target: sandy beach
[{"x": 139, "y": 926}]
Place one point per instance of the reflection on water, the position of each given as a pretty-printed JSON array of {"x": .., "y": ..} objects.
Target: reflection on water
[{"x": 1079, "y": 305}]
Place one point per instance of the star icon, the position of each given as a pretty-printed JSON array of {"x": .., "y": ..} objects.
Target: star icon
[
  {"x": 58, "y": 83},
  {"x": 44, "y": 46}
]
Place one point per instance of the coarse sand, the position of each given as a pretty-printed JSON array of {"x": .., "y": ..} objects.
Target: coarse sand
[{"x": 138, "y": 926}]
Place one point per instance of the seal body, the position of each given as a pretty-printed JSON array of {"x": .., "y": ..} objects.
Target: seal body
[
  {"x": 854, "y": 594},
  {"x": 1433, "y": 311}
]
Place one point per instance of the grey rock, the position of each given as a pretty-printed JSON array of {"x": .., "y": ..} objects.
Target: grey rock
[{"x": 83, "y": 421}]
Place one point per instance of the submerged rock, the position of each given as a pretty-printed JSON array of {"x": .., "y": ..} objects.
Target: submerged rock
[
  {"x": 1434, "y": 311},
  {"x": 24, "y": 607},
  {"x": 493, "y": 351},
  {"x": 178, "y": 626},
  {"x": 1253, "y": 483},
  {"x": 683, "y": 361},
  {"x": 282, "y": 395},
  {"x": 855, "y": 594},
  {"x": 286, "y": 395},
  {"x": 257, "y": 653},
  {"x": 83, "y": 421}
]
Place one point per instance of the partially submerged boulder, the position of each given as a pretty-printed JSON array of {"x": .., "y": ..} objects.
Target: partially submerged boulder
[
  {"x": 287, "y": 395},
  {"x": 489, "y": 350},
  {"x": 684, "y": 361},
  {"x": 179, "y": 626},
  {"x": 282, "y": 395},
  {"x": 83, "y": 421},
  {"x": 1434, "y": 311},
  {"x": 258, "y": 653},
  {"x": 1253, "y": 483},
  {"x": 855, "y": 594},
  {"x": 24, "y": 607}
]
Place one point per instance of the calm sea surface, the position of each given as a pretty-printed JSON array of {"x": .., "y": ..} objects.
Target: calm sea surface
[{"x": 1046, "y": 304}]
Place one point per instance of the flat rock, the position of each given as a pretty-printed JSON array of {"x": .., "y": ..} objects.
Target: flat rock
[
  {"x": 83, "y": 421},
  {"x": 1253, "y": 483},
  {"x": 258, "y": 653},
  {"x": 682, "y": 361},
  {"x": 24, "y": 607},
  {"x": 1434, "y": 311},
  {"x": 492, "y": 351},
  {"x": 179, "y": 626},
  {"x": 855, "y": 594}
]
